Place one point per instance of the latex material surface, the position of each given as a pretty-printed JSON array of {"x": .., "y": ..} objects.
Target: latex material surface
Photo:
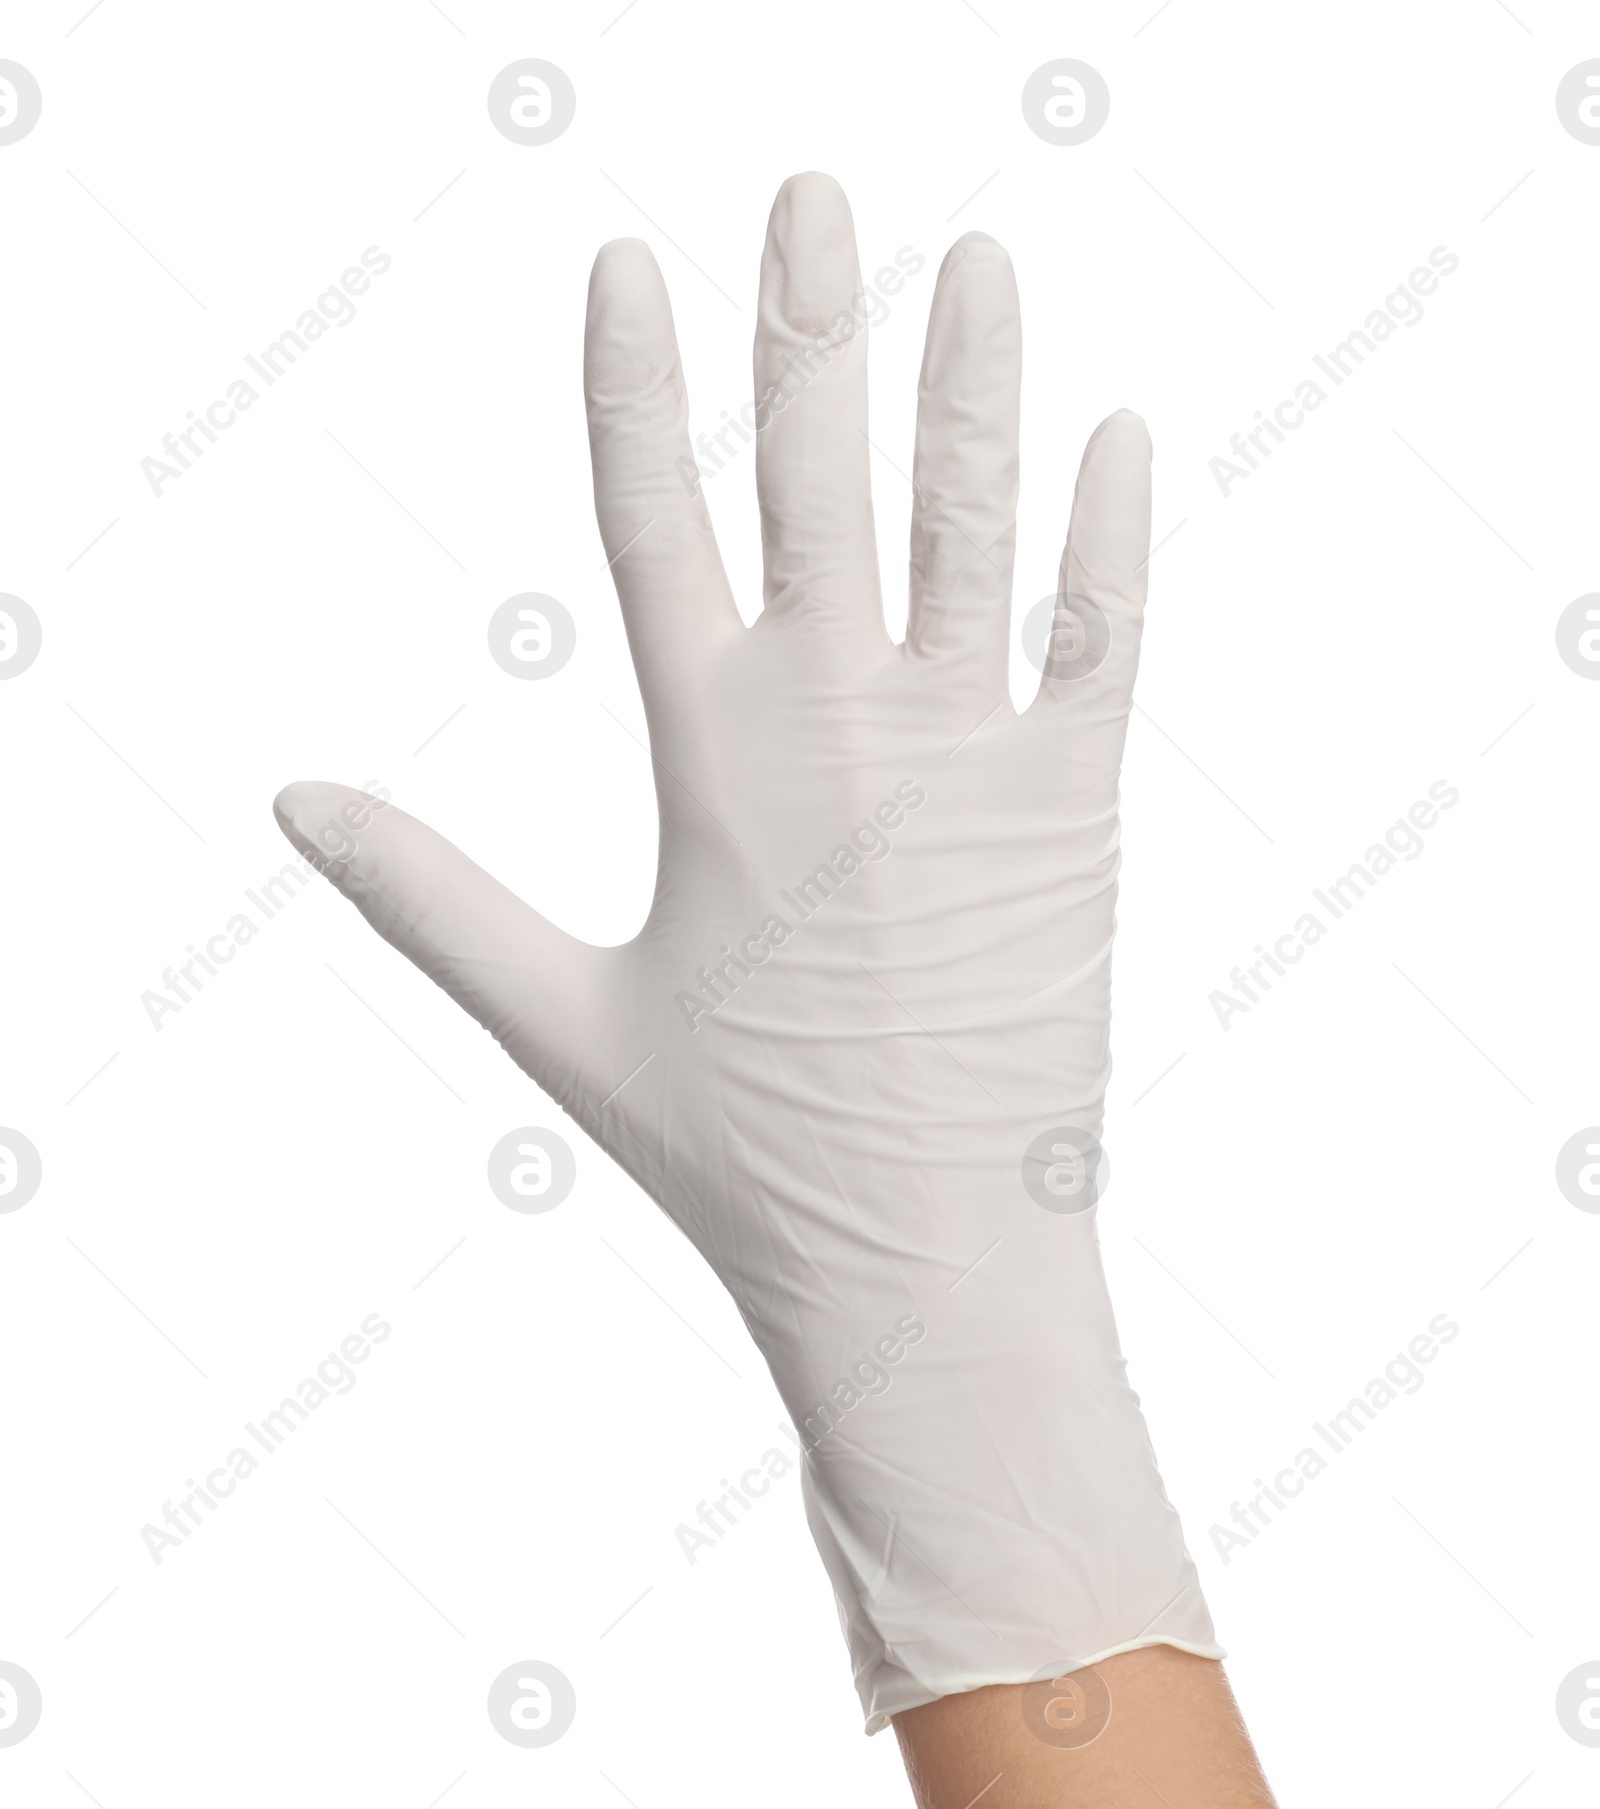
[{"x": 876, "y": 968}]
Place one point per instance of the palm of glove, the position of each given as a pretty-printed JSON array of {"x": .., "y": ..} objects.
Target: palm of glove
[
  {"x": 876, "y": 968},
  {"x": 877, "y": 961}
]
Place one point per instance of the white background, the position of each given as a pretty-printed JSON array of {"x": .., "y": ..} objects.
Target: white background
[{"x": 1338, "y": 1167}]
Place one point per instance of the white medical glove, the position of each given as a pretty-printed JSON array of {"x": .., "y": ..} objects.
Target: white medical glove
[{"x": 876, "y": 971}]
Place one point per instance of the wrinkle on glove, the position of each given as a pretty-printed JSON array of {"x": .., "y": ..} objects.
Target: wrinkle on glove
[{"x": 876, "y": 968}]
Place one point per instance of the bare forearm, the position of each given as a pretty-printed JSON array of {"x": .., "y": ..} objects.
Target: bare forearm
[{"x": 1142, "y": 1729}]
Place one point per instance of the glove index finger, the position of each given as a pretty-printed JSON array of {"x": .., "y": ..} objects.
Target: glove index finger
[{"x": 647, "y": 485}]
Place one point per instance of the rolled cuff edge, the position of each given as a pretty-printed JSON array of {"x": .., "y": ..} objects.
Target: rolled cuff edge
[{"x": 882, "y": 1714}]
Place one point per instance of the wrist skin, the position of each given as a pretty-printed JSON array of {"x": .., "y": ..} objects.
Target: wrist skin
[{"x": 1159, "y": 1726}]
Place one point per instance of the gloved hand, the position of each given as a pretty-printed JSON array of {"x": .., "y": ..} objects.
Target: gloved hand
[{"x": 876, "y": 970}]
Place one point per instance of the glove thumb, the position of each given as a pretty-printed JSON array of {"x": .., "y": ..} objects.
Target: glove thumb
[{"x": 529, "y": 984}]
